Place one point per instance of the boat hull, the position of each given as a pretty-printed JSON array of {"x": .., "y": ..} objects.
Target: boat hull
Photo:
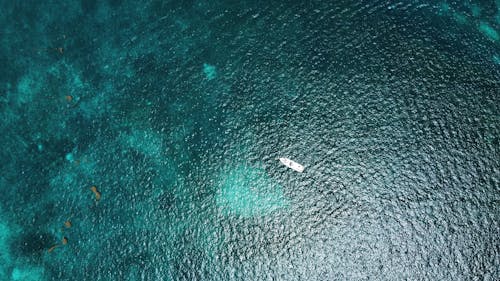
[{"x": 292, "y": 164}]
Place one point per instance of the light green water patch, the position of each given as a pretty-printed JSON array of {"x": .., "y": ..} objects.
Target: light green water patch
[
  {"x": 69, "y": 179},
  {"x": 489, "y": 31},
  {"x": 71, "y": 78},
  {"x": 475, "y": 10},
  {"x": 145, "y": 141},
  {"x": 444, "y": 8},
  {"x": 27, "y": 274},
  {"x": 28, "y": 87},
  {"x": 247, "y": 191},
  {"x": 496, "y": 59},
  {"x": 154, "y": 147},
  {"x": 5, "y": 259},
  {"x": 210, "y": 71},
  {"x": 460, "y": 18},
  {"x": 70, "y": 157}
]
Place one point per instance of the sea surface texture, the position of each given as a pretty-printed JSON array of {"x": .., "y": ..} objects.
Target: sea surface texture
[{"x": 140, "y": 140}]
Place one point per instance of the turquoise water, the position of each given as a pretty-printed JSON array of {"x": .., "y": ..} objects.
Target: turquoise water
[{"x": 141, "y": 139}]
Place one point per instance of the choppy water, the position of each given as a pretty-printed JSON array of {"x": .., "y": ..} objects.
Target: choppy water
[{"x": 176, "y": 111}]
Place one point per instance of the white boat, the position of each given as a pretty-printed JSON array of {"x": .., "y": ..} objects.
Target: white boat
[{"x": 292, "y": 164}]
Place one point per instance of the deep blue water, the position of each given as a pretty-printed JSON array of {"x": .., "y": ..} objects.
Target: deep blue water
[{"x": 141, "y": 139}]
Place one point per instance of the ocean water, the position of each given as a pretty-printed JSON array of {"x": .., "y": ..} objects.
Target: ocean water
[{"x": 140, "y": 138}]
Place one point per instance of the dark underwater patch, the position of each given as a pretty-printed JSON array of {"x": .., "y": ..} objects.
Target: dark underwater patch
[
  {"x": 32, "y": 244},
  {"x": 88, "y": 6}
]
